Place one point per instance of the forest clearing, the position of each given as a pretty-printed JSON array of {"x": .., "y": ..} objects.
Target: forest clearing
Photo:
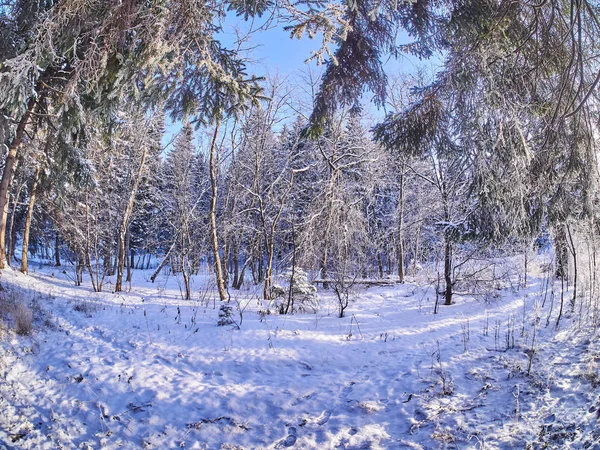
[
  {"x": 354, "y": 224},
  {"x": 148, "y": 369}
]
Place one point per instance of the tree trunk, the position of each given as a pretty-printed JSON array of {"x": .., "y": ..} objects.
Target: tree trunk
[
  {"x": 140, "y": 260},
  {"x": 131, "y": 264},
  {"x": 380, "y": 264},
  {"x": 30, "y": 206},
  {"x": 260, "y": 269},
  {"x": 268, "y": 270},
  {"x": 122, "y": 255},
  {"x": 448, "y": 270},
  {"x": 323, "y": 264},
  {"x": 213, "y": 217},
  {"x": 186, "y": 283},
  {"x": 236, "y": 265},
  {"x": 561, "y": 251},
  {"x": 125, "y": 221},
  {"x": 10, "y": 164},
  {"x": 79, "y": 270},
  {"x": 401, "y": 229},
  {"x": 57, "y": 250},
  {"x": 162, "y": 264},
  {"x": 417, "y": 249},
  {"x": 95, "y": 279},
  {"x": 573, "y": 251},
  {"x": 12, "y": 232},
  {"x": 526, "y": 266},
  {"x": 184, "y": 269},
  {"x": 12, "y": 249},
  {"x": 226, "y": 251},
  {"x": 290, "y": 303},
  {"x": 253, "y": 266},
  {"x": 127, "y": 268},
  {"x": 243, "y": 273},
  {"x": 110, "y": 268},
  {"x": 87, "y": 255}
]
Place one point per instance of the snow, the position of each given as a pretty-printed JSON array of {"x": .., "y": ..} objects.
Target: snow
[{"x": 146, "y": 369}]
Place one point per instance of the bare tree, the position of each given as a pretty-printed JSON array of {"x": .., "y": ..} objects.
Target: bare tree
[
  {"x": 213, "y": 165},
  {"x": 139, "y": 139}
]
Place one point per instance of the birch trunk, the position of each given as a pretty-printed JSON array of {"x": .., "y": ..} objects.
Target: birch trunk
[
  {"x": 213, "y": 219},
  {"x": 401, "y": 229}
]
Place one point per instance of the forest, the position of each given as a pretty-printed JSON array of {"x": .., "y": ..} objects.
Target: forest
[
  {"x": 494, "y": 150},
  {"x": 137, "y": 139}
]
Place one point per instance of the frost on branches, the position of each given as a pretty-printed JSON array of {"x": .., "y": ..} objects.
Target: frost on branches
[{"x": 295, "y": 293}]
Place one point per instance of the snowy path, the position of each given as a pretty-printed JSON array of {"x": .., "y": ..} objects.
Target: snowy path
[{"x": 141, "y": 370}]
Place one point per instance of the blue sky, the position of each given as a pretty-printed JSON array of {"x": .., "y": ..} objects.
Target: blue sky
[{"x": 274, "y": 52}]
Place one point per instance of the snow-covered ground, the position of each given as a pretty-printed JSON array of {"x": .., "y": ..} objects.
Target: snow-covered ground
[{"x": 146, "y": 369}]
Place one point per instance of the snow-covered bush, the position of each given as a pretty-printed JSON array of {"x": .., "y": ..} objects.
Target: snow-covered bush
[{"x": 303, "y": 298}]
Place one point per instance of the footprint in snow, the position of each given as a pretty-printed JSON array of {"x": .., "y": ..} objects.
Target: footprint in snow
[
  {"x": 348, "y": 388},
  {"x": 297, "y": 401},
  {"x": 324, "y": 418},
  {"x": 290, "y": 440},
  {"x": 305, "y": 365},
  {"x": 162, "y": 360}
]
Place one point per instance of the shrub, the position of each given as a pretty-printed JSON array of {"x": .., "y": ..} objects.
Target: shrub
[
  {"x": 86, "y": 308},
  {"x": 225, "y": 316},
  {"x": 304, "y": 296},
  {"x": 23, "y": 319}
]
